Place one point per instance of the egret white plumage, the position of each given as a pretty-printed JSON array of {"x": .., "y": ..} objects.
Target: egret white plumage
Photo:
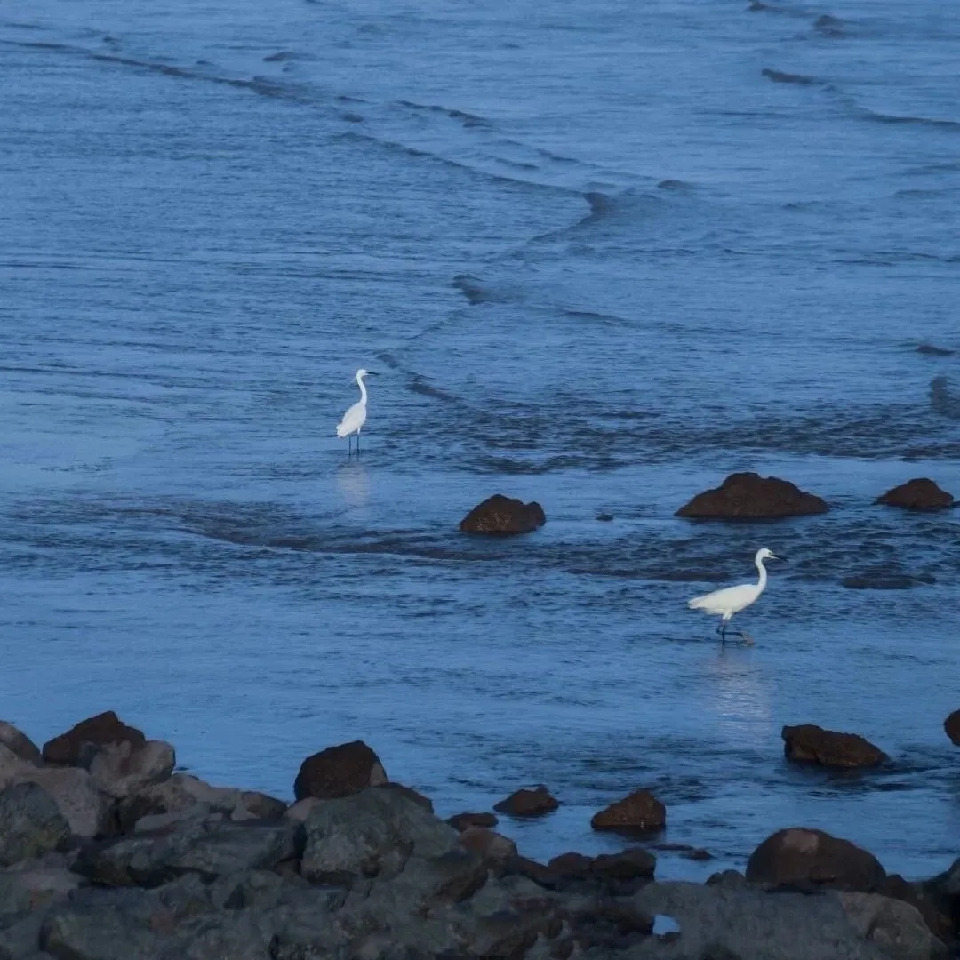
[
  {"x": 731, "y": 600},
  {"x": 356, "y": 415}
]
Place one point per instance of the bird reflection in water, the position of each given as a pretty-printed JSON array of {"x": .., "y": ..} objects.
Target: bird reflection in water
[
  {"x": 740, "y": 694},
  {"x": 354, "y": 483}
]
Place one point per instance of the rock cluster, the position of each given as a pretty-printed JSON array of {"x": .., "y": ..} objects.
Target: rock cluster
[{"x": 106, "y": 854}]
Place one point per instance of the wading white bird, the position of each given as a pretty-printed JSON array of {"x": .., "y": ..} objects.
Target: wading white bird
[
  {"x": 356, "y": 416},
  {"x": 731, "y": 600}
]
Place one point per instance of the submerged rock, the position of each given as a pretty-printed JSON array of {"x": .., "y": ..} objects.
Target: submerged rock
[
  {"x": 638, "y": 812},
  {"x": 339, "y": 771},
  {"x": 920, "y": 493},
  {"x": 748, "y": 496},
  {"x": 104, "y": 728},
  {"x": 808, "y": 743},
  {"x": 502, "y": 515},
  {"x": 527, "y": 803},
  {"x": 461, "y": 821},
  {"x": 799, "y": 856}
]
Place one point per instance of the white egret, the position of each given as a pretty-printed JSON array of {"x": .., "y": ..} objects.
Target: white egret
[
  {"x": 356, "y": 415},
  {"x": 731, "y": 600}
]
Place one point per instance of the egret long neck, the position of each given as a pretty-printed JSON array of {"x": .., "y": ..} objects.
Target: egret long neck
[
  {"x": 762, "y": 582},
  {"x": 363, "y": 391}
]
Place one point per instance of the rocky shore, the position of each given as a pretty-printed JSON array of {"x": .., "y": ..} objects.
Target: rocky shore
[{"x": 107, "y": 853}]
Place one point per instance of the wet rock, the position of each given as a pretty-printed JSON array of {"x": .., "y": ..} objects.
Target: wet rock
[
  {"x": 527, "y": 803},
  {"x": 461, "y": 821},
  {"x": 488, "y": 844},
  {"x": 30, "y": 823},
  {"x": 371, "y": 834},
  {"x": 639, "y": 812},
  {"x": 206, "y": 848},
  {"x": 808, "y": 743},
  {"x": 917, "y": 494},
  {"x": 631, "y": 864},
  {"x": 502, "y": 515},
  {"x": 339, "y": 771},
  {"x": 798, "y": 856},
  {"x": 18, "y": 743},
  {"x": 571, "y": 864},
  {"x": 101, "y": 729},
  {"x": 609, "y": 925},
  {"x": 745, "y": 496},
  {"x": 930, "y": 350},
  {"x": 123, "y": 768},
  {"x": 952, "y": 727}
]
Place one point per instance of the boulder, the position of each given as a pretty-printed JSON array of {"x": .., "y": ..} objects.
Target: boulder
[
  {"x": 182, "y": 790},
  {"x": 19, "y": 743},
  {"x": 30, "y": 823},
  {"x": 503, "y": 515},
  {"x": 371, "y": 834},
  {"x": 461, "y": 821},
  {"x": 639, "y": 812},
  {"x": 917, "y": 494},
  {"x": 85, "y": 809},
  {"x": 798, "y": 856},
  {"x": 414, "y": 795},
  {"x": 527, "y": 803},
  {"x": 747, "y": 496},
  {"x": 122, "y": 768},
  {"x": 724, "y": 922},
  {"x": 206, "y": 848},
  {"x": 631, "y": 864},
  {"x": 808, "y": 743},
  {"x": 952, "y": 727},
  {"x": 339, "y": 772},
  {"x": 101, "y": 729},
  {"x": 13, "y": 767},
  {"x": 488, "y": 844}
]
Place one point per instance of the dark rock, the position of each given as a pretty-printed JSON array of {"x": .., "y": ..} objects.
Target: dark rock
[
  {"x": 929, "y": 350},
  {"x": 639, "y": 812},
  {"x": 744, "y": 496},
  {"x": 502, "y": 515},
  {"x": 630, "y": 864},
  {"x": 572, "y": 864},
  {"x": 609, "y": 925},
  {"x": 461, "y": 821},
  {"x": 488, "y": 844},
  {"x": 798, "y": 856},
  {"x": 527, "y": 803},
  {"x": 103, "y": 728},
  {"x": 952, "y": 727},
  {"x": 30, "y": 823},
  {"x": 808, "y": 743},
  {"x": 699, "y": 855},
  {"x": 371, "y": 834},
  {"x": 339, "y": 771},
  {"x": 21, "y": 745},
  {"x": 917, "y": 494},
  {"x": 206, "y": 848}
]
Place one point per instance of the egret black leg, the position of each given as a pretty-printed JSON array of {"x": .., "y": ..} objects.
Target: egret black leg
[{"x": 358, "y": 443}]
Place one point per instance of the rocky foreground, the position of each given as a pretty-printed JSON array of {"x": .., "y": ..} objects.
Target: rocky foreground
[{"x": 108, "y": 854}]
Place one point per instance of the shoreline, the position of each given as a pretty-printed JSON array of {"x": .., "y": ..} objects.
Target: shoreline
[{"x": 107, "y": 848}]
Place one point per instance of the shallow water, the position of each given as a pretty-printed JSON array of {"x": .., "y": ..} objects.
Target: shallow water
[{"x": 600, "y": 258}]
